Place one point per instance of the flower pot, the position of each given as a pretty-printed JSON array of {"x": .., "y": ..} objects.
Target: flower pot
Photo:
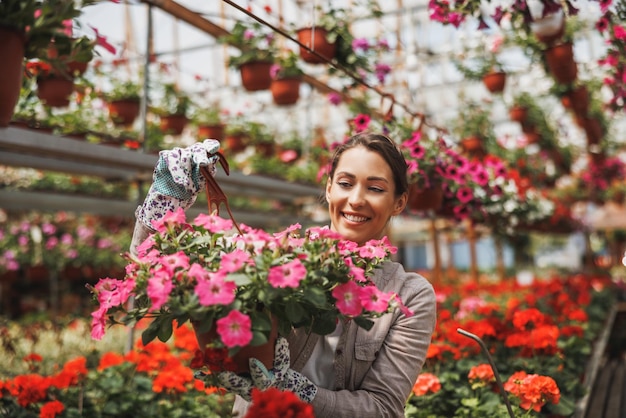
[
  {"x": 472, "y": 144},
  {"x": 12, "y": 55},
  {"x": 518, "y": 114},
  {"x": 37, "y": 273},
  {"x": 579, "y": 100},
  {"x": 593, "y": 130},
  {"x": 123, "y": 112},
  {"x": 235, "y": 143},
  {"x": 173, "y": 124},
  {"x": 285, "y": 91},
  {"x": 495, "y": 81},
  {"x": 429, "y": 198},
  {"x": 560, "y": 61},
  {"x": 77, "y": 68},
  {"x": 266, "y": 149},
  {"x": 264, "y": 352},
  {"x": 210, "y": 131},
  {"x": 314, "y": 38},
  {"x": 550, "y": 28},
  {"x": 55, "y": 91},
  {"x": 255, "y": 76}
]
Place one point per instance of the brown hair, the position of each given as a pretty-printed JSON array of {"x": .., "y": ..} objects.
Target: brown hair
[{"x": 384, "y": 147}]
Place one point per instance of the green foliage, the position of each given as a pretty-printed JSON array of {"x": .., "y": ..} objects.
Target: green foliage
[
  {"x": 173, "y": 101},
  {"x": 286, "y": 65},
  {"x": 253, "y": 40},
  {"x": 124, "y": 90},
  {"x": 19, "y": 15}
]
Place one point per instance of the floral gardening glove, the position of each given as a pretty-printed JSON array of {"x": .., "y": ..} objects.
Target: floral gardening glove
[
  {"x": 237, "y": 384},
  {"x": 176, "y": 182},
  {"x": 280, "y": 375}
]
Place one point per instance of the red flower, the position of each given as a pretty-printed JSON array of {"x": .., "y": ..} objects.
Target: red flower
[
  {"x": 483, "y": 373},
  {"x": 51, "y": 409},
  {"x": 276, "y": 403},
  {"x": 426, "y": 383}
]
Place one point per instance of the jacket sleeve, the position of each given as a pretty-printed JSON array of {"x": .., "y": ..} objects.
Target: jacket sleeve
[{"x": 390, "y": 367}]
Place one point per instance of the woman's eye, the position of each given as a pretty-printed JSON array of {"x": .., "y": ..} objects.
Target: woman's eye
[
  {"x": 343, "y": 184},
  {"x": 377, "y": 189}
]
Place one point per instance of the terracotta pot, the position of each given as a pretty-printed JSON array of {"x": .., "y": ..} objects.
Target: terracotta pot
[
  {"x": 285, "y": 91},
  {"x": 579, "y": 100},
  {"x": 72, "y": 273},
  {"x": 266, "y": 149},
  {"x": 235, "y": 142},
  {"x": 55, "y": 91},
  {"x": 550, "y": 28},
  {"x": 593, "y": 130},
  {"x": 518, "y": 113},
  {"x": 495, "y": 81},
  {"x": 76, "y": 68},
  {"x": 560, "y": 61},
  {"x": 472, "y": 143},
  {"x": 255, "y": 76},
  {"x": 38, "y": 273},
  {"x": 421, "y": 199},
  {"x": 210, "y": 131},
  {"x": 12, "y": 55},
  {"x": 264, "y": 352},
  {"x": 314, "y": 38},
  {"x": 173, "y": 124},
  {"x": 123, "y": 112}
]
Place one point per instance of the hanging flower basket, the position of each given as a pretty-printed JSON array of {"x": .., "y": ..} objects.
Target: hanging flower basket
[
  {"x": 560, "y": 61},
  {"x": 210, "y": 131},
  {"x": 425, "y": 198},
  {"x": 55, "y": 90},
  {"x": 123, "y": 112},
  {"x": 239, "y": 362},
  {"x": 495, "y": 81},
  {"x": 315, "y": 39},
  {"x": 286, "y": 91},
  {"x": 550, "y": 28},
  {"x": 255, "y": 76},
  {"x": 173, "y": 124},
  {"x": 12, "y": 55}
]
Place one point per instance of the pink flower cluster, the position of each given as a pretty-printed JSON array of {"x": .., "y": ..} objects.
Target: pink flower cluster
[{"x": 196, "y": 270}]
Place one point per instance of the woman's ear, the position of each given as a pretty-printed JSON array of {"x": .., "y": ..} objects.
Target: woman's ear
[{"x": 400, "y": 203}]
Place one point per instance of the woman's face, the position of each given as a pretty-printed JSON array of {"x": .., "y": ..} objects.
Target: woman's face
[{"x": 361, "y": 196}]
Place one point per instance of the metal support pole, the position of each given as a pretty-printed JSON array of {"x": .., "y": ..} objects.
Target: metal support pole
[{"x": 493, "y": 367}]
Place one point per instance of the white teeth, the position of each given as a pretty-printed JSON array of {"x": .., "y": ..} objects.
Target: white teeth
[{"x": 353, "y": 218}]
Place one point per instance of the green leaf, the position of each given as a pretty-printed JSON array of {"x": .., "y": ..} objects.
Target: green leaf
[
  {"x": 364, "y": 323},
  {"x": 324, "y": 326},
  {"x": 315, "y": 296},
  {"x": 165, "y": 330},
  {"x": 295, "y": 311},
  {"x": 150, "y": 333}
]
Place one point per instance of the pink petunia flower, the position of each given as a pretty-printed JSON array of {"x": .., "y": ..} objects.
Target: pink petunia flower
[
  {"x": 374, "y": 300},
  {"x": 213, "y": 223},
  {"x": 235, "y": 329},
  {"x": 215, "y": 290},
  {"x": 232, "y": 262},
  {"x": 348, "y": 297},
  {"x": 287, "y": 275},
  {"x": 159, "y": 288},
  {"x": 170, "y": 219}
]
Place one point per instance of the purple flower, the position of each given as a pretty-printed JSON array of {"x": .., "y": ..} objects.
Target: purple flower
[
  {"x": 334, "y": 98},
  {"x": 360, "y": 44},
  {"x": 248, "y": 34}
]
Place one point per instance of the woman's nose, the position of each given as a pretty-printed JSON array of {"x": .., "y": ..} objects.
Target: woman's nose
[{"x": 357, "y": 196}]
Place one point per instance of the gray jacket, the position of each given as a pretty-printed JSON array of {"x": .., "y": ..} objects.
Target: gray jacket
[{"x": 375, "y": 370}]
